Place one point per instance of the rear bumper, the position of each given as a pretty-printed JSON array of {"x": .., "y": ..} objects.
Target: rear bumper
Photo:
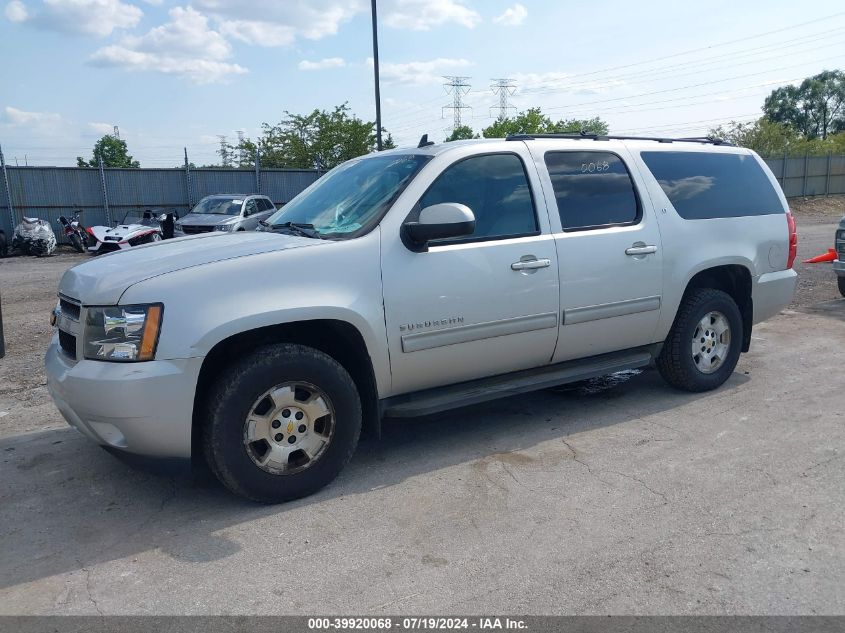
[
  {"x": 772, "y": 292},
  {"x": 142, "y": 408}
]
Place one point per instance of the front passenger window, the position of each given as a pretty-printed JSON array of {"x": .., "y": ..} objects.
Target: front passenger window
[
  {"x": 495, "y": 187},
  {"x": 250, "y": 208}
]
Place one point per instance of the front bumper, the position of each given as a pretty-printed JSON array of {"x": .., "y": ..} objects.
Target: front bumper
[
  {"x": 772, "y": 292},
  {"x": 839, "y": 267},
  {"x": 142, "y": 408}
]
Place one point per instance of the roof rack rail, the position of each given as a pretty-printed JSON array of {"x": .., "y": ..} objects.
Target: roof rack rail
[{"x": 710, "y": 140}]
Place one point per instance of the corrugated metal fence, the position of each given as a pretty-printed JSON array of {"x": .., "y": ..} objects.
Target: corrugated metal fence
[
  {"x": 809, "y": 175},
  {"x": 107, "y": 196}
]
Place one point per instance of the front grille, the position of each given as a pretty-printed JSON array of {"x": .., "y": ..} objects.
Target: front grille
[
  {"x": 69, "y": 309},
  {"x": 191, "y": 229},
  {"x": 68, "y": 344}
]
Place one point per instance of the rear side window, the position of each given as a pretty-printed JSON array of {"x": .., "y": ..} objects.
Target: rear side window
[
  {"x": 592, "y": 189},
  {"x": 702, "y": 185},
  {"x": 495, "y": 188}
]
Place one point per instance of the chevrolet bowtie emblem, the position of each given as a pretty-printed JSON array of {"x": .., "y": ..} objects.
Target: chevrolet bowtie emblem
[{"x": 290, "y": 427}]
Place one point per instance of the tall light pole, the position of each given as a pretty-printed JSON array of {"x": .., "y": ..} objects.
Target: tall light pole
[{"x": 375, "y": 71}]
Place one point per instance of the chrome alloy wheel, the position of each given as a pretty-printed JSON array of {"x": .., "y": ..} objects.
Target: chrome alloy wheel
[
  {"x": 289, "y": 428},
  {"x": 711, "y": 342}
]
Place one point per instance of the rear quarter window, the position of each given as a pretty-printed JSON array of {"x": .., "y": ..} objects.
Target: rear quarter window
[{"x": 704, "y": 185}]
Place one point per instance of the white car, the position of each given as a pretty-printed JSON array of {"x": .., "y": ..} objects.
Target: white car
[
  {"x": 417, "y": 280},
  {"x": 226, "y": 212}
]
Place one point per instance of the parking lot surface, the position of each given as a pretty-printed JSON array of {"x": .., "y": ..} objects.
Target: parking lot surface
[{"x": 619, "y": 496}]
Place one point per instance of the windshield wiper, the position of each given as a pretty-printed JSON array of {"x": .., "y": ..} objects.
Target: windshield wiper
[{"x": 297, "y": 228}]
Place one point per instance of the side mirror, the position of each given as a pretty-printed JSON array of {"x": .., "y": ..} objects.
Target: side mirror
[{"x": 441, "y": 221}]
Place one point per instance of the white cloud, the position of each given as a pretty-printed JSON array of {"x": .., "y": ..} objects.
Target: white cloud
[
  {"x": 280, "y": 23},
  {"x": 258, "y": 33},
  {"x": 22, "y": 118},
  {"x": 419, "y": 73},
  {"x": 422, "y": 15},
  {"x": 329, "y": 62},
  {"x": 512, "y": 16},
  {"x": 16, "y": 11},
  {"x": 184, "y": 46},
  {"x": 101, "y": 128},
  {"x": 86, "y": 17},
  {"x": 560, "y": 82}
]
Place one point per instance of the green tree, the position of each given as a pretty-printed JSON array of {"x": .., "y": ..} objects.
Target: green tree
[
  {"x": 770, "y": 139},
  {"x": 113, "y": 151},
  {"x": 533, "y": 121},
  {"x": 388, "y": 142},
  {"x": 576, "y": 126},
  {"x": 815, "y": 108},
  {"x": 460, "y": 133},
  {"x": 321, "y": 139}
]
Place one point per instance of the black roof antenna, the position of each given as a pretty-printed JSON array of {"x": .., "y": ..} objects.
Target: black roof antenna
[{"x": 424, "y": 142}]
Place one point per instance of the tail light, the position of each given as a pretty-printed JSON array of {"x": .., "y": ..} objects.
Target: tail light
[{"x": 793, "y": 239}]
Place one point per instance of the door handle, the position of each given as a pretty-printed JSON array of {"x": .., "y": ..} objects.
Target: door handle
[
  {"x": 640, "y": 249},
  {"x": 531, "y": 264}
]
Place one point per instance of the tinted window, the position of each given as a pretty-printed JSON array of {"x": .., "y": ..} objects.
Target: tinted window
[
  {"x": 704, "y": 185},
  {"x": 592, "y": 189},
  {"x": 495, "y": 187}
]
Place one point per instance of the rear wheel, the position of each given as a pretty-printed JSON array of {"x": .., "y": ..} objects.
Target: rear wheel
[
  {"x": 282, "y": 423},
  {"x": 705, "y": 341},
  {"x": 841, "y": 281},
  {"x": 76, "y": 242}
]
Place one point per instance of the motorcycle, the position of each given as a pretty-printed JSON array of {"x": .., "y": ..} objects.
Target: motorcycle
[
  {"x": 76, "y": 234},
  {"x": 151, "y": 227},
  {"x": 34, "y": 236}
]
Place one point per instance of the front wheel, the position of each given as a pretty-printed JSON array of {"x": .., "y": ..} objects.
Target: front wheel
[
  {"x": 705, "y": 341},
  {"x": 76, "y": 242},
  {"x": 841, "y": 281},
  {"x": 281, "y": 423}
]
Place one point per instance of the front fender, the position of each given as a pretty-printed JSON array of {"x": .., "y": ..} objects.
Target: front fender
[{"x": 207, "y": 304}]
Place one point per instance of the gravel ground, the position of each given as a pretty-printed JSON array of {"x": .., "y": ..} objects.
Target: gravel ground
[{"x": 621, "y": 497}]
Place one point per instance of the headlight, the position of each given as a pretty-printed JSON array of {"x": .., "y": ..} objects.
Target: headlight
[
  {"x": 122, "y": 333},
  {"x": 224, "y": 227}
]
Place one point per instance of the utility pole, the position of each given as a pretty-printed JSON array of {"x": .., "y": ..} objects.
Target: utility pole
[
  {"x": 503, "y": 87},
  {"x": 12, "y": 227},
  {"x": 188, "y": 181},
  {"x": 457, "y": 87},
  {"x": 379, "y": 145},
  {"x": 224, "y": 151}
]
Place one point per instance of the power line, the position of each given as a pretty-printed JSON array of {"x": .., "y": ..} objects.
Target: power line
[
  {"x": 503, "y": 87},
  {"x": 457, "y": 87}
]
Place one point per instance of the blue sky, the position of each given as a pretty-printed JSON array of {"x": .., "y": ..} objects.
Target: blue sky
[{"x": 174, "y": 74}]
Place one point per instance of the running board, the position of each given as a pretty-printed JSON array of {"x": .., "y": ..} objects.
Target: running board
[{"x": 465, "y": 394}]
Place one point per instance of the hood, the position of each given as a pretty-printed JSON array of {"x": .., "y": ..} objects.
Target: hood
[
  {"x": 204, "y": 219},
  {"x": 101, "y": 281}
]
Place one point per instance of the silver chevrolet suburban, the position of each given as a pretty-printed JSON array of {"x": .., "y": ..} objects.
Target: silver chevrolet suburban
[{"x": 415, "y": 281}]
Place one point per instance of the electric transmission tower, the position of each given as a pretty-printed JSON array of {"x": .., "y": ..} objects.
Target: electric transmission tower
[
  {"x": 241, "y": 152},
  {"x": 503, "y": 87},
  {"x": 457, "y": 87},
  {"x": 225, "y": 157},
  {"x": 116, "y": 132}
]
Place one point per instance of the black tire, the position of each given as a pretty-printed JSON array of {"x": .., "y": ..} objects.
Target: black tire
[
  {"x": 236, "y": 391},
  {"x": 76, "y": 242},
  {"x": 841, "y": 282},
  {"x": 676, "y": 363}
]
